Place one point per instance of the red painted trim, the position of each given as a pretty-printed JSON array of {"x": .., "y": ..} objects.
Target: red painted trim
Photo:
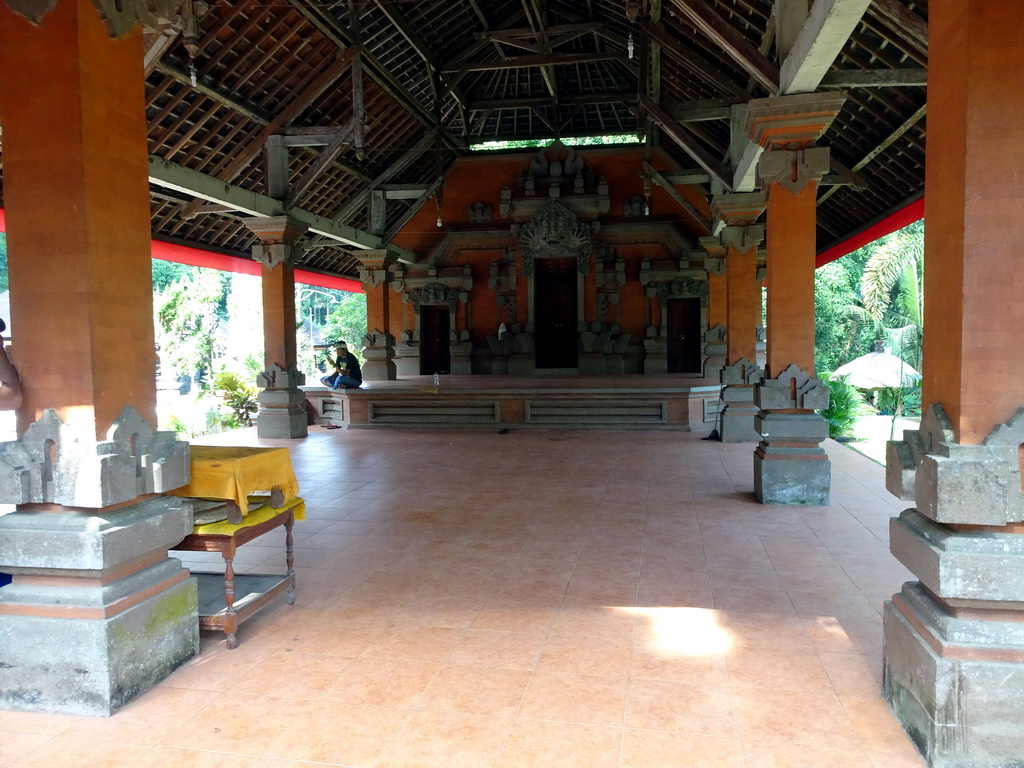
[
  {"x": 196, "y": 257},
  {"x": 906, "y": 215}
]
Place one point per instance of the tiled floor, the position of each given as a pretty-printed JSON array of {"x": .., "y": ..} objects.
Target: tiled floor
[{"x": 534, "y": 599}]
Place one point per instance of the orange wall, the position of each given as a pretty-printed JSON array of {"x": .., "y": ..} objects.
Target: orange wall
[{"x": 481, "y": 178}]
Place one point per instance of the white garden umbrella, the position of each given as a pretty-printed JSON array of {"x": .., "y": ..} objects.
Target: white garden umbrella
[{"x": 876, "y": 370}]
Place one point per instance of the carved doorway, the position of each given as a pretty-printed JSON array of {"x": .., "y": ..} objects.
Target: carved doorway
[
  {"x": 684, "y": 336},
  {"x": 435, "y": 345},
  {"x": 555, "y": 312}
]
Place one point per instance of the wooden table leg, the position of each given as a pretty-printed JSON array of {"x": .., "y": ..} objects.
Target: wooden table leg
[
  {"x": 289, "y": 556},
  {"x": 229, "y": 598}
]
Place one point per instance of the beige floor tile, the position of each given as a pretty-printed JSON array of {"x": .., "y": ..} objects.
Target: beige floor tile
[
  {"x": 532, "y": 744},
  {"x": 475, "y": 690},
  {"x": 492, "y": 648},
  {"x": 78, "y": 752},
  {"x": 671, "y": 706},
  {"x": 338, "y": 734},
  {"x": 381, "y": 682},
  {"x": 782, "y": 670},
  {"x": 565, "y": 697},
  {"x": 658, "y": 749},
  {"x": 877, "y": 726},
  {"x": 291, "y": 674},
  {"x": 830, "y": 635},
  {"x": 892, "y": 760},
  {"x": 15, "y": 746},
  {"x": 813, "y": 719},
  {"x": 501, "y": 616},
  {"x": 228, "y": 723},
  {"x": 446, "y": 740},
  {"x": 411, "y": 643},
  {"x": 780, "y": 754},
  {"x": 595, "y": 621},
  {"x": 585, "y": 655}
]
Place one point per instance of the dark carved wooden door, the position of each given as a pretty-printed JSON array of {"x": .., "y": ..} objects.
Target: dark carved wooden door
[
  {"x": 684, "y": 336},
  {"x": 435, "y": 347},
  {"x": 555, "y": 312}
]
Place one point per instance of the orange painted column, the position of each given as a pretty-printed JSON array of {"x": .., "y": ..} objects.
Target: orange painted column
[
  {"x": 718, "y": 303},
  {"x": 279, "y": 315},
  {"x": 791, "y": 252},
  {"x": 744, "y": 301},
  {"x": 973, "y": 297},
  {"x": 76, "y": 193}
]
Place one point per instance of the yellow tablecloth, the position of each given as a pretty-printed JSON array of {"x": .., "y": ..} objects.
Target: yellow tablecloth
[
  {"x": 224, "y": 528},
  {"x": 233, "y": 473}
]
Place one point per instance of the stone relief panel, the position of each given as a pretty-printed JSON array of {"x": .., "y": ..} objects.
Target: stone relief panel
[
  {"x": 683, "y": 288},
  {"x": 434, "y": 293},
  {"x": 793, "y": 388},
  {"x": 555, "y": 232}
]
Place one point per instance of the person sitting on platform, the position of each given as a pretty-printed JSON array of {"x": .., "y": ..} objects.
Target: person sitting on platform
[
  {"x": 346, "y": 370},
  {"x": 10, "y": 383}
]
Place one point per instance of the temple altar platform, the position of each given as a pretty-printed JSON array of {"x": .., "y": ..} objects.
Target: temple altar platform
[{"x": 542, "y": 401}]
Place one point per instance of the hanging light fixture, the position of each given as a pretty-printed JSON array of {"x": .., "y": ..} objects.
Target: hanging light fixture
[
  {"x": 632, "y": 13},
  {"x": 437, "y": 202},
  {"x": 188, "y": 20}
]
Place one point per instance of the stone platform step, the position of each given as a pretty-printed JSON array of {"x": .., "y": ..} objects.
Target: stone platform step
[{"x": 481, "y": 402}]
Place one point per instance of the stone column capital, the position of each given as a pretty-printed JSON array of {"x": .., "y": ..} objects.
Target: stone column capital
[
  {"x": 743, "y": 238},
  {"x": 793, "y": 169},
  {"x": 278, "y": 239},
  {"x": 739, "y": 209},
  {"x": 792, "y": 122}
]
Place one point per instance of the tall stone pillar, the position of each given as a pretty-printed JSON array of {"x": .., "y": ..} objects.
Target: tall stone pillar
[
  {"x": 715, "y": 337},
  {"x": 740, "y": 239},
  {"x": 790, "y": 466},
  {"x": 954, "y": 639},
  {"x": 379, "y": 344},
  {"x": 97, "y": 612},
  {"x": 281, "y": 411}
]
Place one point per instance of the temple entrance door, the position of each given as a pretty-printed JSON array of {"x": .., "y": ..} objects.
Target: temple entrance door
[
  {"x": 555, "y": 312},
  {"x": 435, "y": 346},
  {"x": 684, "y": 336}
]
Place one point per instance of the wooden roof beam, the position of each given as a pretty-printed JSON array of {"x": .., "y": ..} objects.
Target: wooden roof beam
[
  {"x": 674, "y": 193},
  {"x": 687, "y": 56},
  {"x": 536, "y": 60},
  {"x": 903, "y": 20},
  {"x": 176, "y": 177},
  {"x": 733, "y": 43},
  {"x": 212, "y": 93},
  {"x": 680, "y": 136},
  {"x": 824, "y": 33},
  {"x": 698, "y": 111},
  {"x": 613, "y": 97},
  {"x": 874, "y": 78}
]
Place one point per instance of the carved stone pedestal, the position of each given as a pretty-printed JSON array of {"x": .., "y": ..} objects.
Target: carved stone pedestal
[
  {"x": 97, "y": 612},
  {"x": 737, "y": 420},
  {"x": 738, "y": 415},
  {"x": 461, "y": 356},
  {"x": 954, "y": 640},
  {"x": 379, "y": 357},
  {"x": 655, "y": 356},
  {"x": 407, "y": 359},
  {"x": 282, "y": 414},
  {"x": 790, "y": 466}
]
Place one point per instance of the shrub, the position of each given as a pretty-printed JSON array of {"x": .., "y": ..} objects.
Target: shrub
[
  {"x": 844, "y": 404},
  {"x": 239, "y": 397}
]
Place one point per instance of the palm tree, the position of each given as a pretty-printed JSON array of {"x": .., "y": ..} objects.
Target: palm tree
[{"x": 892, "y": 293}]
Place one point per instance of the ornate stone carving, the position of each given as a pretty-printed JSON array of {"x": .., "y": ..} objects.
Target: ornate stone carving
[
  {"x": 954, "y": 483},
  {"x": 120, "y": 16},
  {"x": 684, "y": 288},
  {"x": 52, "y": 464},
  {"x": 434, "y": 293},
  {"x": 793, "y": 121},
  {"x": 555, "y": 232},
  {"x": 793, "y": 388},
  {"x": 793, "y": 169},
  {"x": 541, "y": 167},
  {"x": 741, "y": 372},
  {"x": 479, "y": 213},
  {"x": 276, "y": 377}
]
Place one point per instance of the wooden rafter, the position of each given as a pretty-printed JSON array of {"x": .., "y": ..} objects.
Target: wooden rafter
[{"x": 690, "y": 145}]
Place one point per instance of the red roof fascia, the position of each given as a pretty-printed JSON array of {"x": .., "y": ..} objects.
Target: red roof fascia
[
  {"x": 906, "y": 215},
  {"x": 196, "y": 257}
]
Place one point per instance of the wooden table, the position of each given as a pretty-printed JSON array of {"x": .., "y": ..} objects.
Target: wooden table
[
  {"x": 225, "y": 602},
  {"x": 233, "y": 473}
]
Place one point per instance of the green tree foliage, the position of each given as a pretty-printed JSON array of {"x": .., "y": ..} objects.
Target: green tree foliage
[
  {"x": 893, "y": 291},
  {"x": 186, "y": 319},
  {"x": 347, "y": 322},
  {"x": 844, "y": 406},
  {"x": 840, "y": 333},
  {"x": 166, "y": 273}
]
